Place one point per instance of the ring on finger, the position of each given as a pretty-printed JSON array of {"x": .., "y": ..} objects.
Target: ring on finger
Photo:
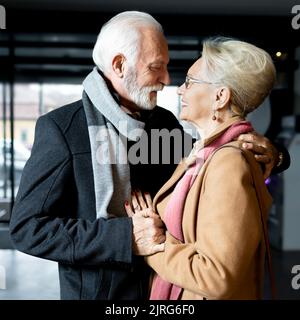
[{"x": 145, "y": 215}]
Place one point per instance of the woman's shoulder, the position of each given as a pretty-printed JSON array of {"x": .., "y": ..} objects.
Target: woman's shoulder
[
  {"x": 231, "y": 159},
  {"x": 233, "y": 151}
]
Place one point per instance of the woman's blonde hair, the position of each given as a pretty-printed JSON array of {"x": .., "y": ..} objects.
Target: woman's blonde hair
[{"x": 245, "y": 69}]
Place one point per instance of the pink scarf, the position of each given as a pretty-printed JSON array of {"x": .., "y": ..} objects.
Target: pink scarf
[{"x": 163, "y": 290}]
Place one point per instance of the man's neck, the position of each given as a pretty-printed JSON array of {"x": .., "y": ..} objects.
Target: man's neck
[{"x": 135, "y": 114}]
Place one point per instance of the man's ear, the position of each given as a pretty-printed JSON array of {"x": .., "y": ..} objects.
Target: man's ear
[
  {"x": 118, "y": 65},
  {"x": 222, "y": 97}
]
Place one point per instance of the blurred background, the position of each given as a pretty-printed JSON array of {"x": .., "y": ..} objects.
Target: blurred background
[{"x": 46, "y": 52}]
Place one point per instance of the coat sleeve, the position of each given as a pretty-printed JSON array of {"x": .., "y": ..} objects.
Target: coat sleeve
[
  {"x": 228, "y": 232},
  {"x": 286, "y": 158},
  {"x": 43, "y": 221}
]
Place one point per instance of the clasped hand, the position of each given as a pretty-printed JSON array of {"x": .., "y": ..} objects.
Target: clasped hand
[{"x": 148, "y": 228}]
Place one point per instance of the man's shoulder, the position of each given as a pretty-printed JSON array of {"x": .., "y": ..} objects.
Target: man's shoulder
[
  {"x": 65, "y": 115},
  {"x": 163, "y": 111}
]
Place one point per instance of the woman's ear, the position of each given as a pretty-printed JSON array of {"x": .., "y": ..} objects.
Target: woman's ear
[
  {"x": 222, "y": 97},
  {"x": 118, "y": 65}
]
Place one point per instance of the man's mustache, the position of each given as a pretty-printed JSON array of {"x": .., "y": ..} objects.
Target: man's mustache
[{"x": 149, "y": 89}]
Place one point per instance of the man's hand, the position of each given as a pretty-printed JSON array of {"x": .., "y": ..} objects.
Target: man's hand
[
  {"x": 148, "y": 228},
  {"x": 262, "y": 148},
  {"x": 148, "y": 234}
]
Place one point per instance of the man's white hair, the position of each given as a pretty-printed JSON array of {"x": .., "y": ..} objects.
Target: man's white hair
[{"x": 121, "y": 34}]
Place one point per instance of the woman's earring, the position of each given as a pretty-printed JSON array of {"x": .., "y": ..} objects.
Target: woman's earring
[{"x": 214, "y": 116}]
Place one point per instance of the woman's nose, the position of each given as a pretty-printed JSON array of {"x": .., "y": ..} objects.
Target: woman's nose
[{"x": 180, "y": 90}]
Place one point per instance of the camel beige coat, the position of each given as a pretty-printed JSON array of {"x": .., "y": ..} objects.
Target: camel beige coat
[{"x": 222, "y": 256}]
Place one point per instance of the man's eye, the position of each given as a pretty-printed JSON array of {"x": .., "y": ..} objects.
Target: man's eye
[{"x": 155, "y": 67}]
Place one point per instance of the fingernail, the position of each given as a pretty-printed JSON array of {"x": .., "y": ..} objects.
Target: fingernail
[
  {"x": 146, "y": 192},
  {"x": 126, "y": 203},
  {"x": 245, "y": 145}
]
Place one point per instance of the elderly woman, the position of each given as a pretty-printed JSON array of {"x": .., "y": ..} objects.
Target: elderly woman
[{"x": 216, "y": 203}]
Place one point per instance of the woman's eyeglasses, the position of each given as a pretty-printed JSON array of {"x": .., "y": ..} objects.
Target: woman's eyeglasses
[{"x": 189, "y": 80}]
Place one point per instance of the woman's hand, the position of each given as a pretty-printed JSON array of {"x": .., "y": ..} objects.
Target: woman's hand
[
  {"x": 141, "y": 204},
  {"x": 148, "y": 228}
]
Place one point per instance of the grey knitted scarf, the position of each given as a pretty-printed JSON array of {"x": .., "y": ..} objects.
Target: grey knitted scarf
[{"x": 109, "y": 128}]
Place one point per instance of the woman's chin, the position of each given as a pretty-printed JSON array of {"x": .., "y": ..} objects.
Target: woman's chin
[{"x": 182, "y": 116}]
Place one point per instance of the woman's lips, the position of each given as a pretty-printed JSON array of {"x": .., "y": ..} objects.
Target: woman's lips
[{"x": 183, "y": 104}]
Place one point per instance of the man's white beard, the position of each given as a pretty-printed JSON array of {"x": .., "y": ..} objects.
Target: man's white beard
[{"x": 140, "y": 96}]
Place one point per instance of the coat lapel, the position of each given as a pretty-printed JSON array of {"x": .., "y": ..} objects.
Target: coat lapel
[{"x": 178, "y": 173}]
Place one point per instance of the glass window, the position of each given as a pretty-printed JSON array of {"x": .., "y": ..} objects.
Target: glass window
[
  {"x": 169, "y": 99},
  {"x": 5, "y": 152},
  {"x": 31, "y": 100}
]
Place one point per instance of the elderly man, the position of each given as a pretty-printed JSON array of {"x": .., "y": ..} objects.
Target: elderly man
[{"x": 70, "y": 205}]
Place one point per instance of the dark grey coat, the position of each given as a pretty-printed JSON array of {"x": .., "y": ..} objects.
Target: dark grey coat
[{"x": 54, "y": 216}]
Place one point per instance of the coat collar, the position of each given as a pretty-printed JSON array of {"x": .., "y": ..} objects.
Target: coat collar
[{"x": 178, "y": 173}]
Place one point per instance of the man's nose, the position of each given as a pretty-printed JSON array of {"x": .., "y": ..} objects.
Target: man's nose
[{"x": 165, "y": 78}]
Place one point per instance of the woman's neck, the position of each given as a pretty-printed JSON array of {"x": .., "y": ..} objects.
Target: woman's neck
[{"x": 206, "y": 128}]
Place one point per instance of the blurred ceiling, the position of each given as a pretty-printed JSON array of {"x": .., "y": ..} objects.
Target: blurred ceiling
[
  {"x": 51, "y": 39},
  {"x": 217, "y": 7}
]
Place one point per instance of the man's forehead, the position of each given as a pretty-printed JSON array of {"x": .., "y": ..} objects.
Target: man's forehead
[
  {"x": 153, "y": 38},
  {"x": 156, "y": 58},
  {"x": 154, "y": 52}
]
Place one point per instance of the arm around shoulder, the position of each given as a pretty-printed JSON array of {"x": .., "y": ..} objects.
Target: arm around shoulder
[{"x": 284, "y": 159}]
